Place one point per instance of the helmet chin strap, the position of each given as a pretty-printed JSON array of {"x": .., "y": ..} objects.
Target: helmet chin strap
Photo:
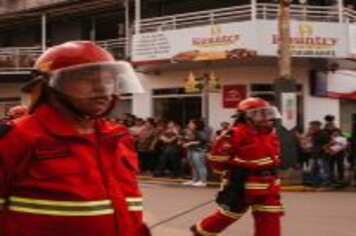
[{"x": 65, "y": 100}]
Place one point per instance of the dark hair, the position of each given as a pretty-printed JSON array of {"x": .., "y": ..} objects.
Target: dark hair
[
  {"x": 329, "y": 118},
  {"x": 199, "y": 123},
  {"x": 151, "y": 121},
  {"x": 240, "y": 117}
]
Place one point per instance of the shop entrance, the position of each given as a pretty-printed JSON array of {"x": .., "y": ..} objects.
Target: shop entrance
[{"x": 179, "y": 108}]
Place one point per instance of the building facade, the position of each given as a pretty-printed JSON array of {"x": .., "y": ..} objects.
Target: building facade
[{"x": 234, "y": 43}]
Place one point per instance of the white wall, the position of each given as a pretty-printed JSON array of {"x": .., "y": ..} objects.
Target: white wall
[
  {"x": 315, "y": 108},
  {"x": 229, "y": 75}
]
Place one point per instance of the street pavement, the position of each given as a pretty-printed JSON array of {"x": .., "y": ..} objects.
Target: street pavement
[{"x": 307, "y": 213}]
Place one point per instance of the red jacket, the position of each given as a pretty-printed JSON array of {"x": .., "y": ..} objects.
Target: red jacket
[
  {"x": 246, "y": 147},
  {"x": 54, "y": 181}
]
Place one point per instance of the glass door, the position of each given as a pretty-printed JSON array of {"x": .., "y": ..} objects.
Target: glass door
[{"x": 178, "y": 109}]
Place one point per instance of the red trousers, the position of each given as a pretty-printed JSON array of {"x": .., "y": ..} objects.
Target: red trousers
[
  {"x": 266, "y": 224},
  {"x": 235, "y": 201}
]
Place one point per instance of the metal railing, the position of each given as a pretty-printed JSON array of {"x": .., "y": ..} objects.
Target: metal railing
[
  {"x": 18, "y": 57},
  {"x": 186, "y": 20},
  {"x": 117, "y": 47},
  {"x": 350, "y": 15},
  {"x": 267, "y": 11},
  {"x": 25, "y": 57},
  {"x": 21, "y": 5},
  {"x": 300, "y": 12}
]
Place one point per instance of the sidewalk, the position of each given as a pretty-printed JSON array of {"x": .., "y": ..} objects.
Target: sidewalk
[{"x": 178, "y": 181}]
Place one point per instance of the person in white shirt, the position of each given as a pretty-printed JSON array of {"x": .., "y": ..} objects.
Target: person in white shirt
[{"x": 336, "y": 149}]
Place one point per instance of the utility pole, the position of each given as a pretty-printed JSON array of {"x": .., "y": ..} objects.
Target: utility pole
[
  {"x": 284, "y": 35},
  {"x": 44, "y": 32},
  {"x": 128, "y": 35},
  {"x": 285, "y": 88}
]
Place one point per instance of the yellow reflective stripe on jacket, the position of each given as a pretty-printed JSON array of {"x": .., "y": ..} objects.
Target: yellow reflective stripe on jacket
[
  {"x": 219, "y": 172},
  {"x": 2, "y": 203},
  {"x": 262, "y": 161},
  {"x": 218, "y": 158},
  {"x": 203, "y": 232},
  {"x": 250, "y": 185},
  {"x": 134, "y": 203},
  {"x": 267, "y": 208},
  {"x": 231, "y": 214},
  {"x": 60, "y": 208}
]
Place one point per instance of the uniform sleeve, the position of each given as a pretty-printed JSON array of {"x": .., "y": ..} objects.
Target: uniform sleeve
[
  {"x": 221, "y": 152},
  {"x": 12, "y": 148},
  {"x": 134, "y": 198},
  {"x": 2, "y": 195},
  {"x": 3, "y": 191}
]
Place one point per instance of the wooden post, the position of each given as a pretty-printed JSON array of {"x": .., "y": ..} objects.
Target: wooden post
[{"x": 284, "y": 40}]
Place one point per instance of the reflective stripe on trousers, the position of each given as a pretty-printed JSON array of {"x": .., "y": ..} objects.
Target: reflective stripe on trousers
[{"x": 68, "y": 208}]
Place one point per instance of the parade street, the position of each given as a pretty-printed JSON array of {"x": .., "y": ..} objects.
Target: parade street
[{"x": 307, "y": 213}]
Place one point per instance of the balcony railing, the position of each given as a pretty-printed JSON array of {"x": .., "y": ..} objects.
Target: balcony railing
[
  {"x": 243, "y": 13},
  {"x": 18, "y": 58},
  {"x": 21, "y": 5},
  {"x": 117, "y": 47},
  {"x": 24, "y": 57}
]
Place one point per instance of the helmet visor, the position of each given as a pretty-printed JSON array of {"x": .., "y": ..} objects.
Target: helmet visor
[
  {"x": 96, "y": 80},
  {"x": 261, "y": 114}
]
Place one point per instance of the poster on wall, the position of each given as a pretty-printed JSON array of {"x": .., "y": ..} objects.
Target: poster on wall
[
  {"x": 211, "y": 42},
  {"x": 289, "y": 110},
  {"x": 233, "y": 94}
]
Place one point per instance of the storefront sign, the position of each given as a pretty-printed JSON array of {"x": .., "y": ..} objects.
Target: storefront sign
[
  {"x": 243, "y": 39},
  {"x": 289, "y": 110},
  {"x": 308, "y": 39},
  {"x": 211, "y": 42},
  {"x": 233, "y": 94}
]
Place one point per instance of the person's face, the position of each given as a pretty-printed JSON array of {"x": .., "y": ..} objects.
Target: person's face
[
  {"x": 171, "y": 125},
  {"x": 88, "y": 84},
  {"x": 191, "y": 125},
  {"x": 140, "y": 123},
  {"x": 264, "y": 123},
  {"x": 315, "y": 127},
  {"x": 92, "y": 94},
  {"x": 148, "y": 125}
]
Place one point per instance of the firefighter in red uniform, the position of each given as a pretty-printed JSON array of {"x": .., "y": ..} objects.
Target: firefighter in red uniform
[
  {"x": 64, "y": 171},
  {"x": 247, "y": 157}
]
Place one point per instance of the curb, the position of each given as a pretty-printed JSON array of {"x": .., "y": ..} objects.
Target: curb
[{"x": 214, "y": 184}]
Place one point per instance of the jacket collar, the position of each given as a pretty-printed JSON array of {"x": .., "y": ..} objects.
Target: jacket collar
[{"x": 58, "y": 125}]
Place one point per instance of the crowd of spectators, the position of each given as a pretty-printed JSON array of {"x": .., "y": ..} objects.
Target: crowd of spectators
[
  {"x": 167, "y": 149},
  {"x": 325, "y": 154}
]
